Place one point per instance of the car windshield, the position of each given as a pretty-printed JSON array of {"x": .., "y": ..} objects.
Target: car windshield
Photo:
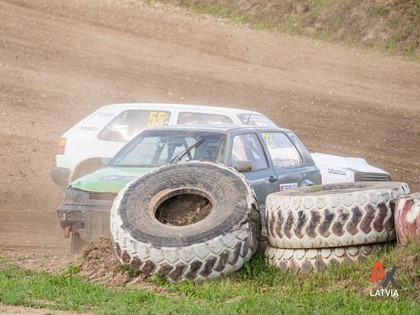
[{"x": 153, "y": 148}]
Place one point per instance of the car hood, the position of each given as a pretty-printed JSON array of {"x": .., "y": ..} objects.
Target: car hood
[
  {"x": 109, "y": 179},
  {"x": 348, "y": 163},
  {"x": 336, "y": 168}
]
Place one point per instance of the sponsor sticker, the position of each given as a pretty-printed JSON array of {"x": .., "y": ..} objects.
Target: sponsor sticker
[
  {"x": 105, "y": 114},
  {"x": 288, "y": 186},
  {"x": 88, "y": 128},
  {"x": 336, "y": 172}
]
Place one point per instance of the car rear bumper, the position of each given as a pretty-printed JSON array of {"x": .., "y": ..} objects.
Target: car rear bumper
[
  {"x": 60, "y": 176},
  {"x": 90, "y": 221}
]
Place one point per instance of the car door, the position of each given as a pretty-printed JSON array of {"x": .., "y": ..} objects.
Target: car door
[
  {"x": 246, "y": 148},
  {"x": 290, "y": 160}
]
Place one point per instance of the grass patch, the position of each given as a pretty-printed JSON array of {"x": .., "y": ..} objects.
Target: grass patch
[
  {"x": 389, "y": 27},
  {"x": 256, "y": 288}
]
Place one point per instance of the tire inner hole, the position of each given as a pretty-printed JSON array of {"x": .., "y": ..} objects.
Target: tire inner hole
[{"x": 184, "y": 209}]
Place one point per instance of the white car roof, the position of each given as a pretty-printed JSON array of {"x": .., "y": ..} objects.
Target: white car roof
[
  {"x": 115, "y": 109},
  {"x": 177, "y": 106}
]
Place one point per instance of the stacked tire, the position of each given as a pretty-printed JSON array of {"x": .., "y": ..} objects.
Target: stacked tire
[
  {"x": 312, "y": 227},
  {"x": 217, "y": 242},
  {"x": 407, "y": 219}
]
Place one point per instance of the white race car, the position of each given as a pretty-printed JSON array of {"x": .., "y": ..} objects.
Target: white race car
[{"x": 82, "y": 149}]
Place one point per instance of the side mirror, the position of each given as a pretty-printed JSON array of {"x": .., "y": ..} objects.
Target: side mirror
[{"x": 243, "y": 166}]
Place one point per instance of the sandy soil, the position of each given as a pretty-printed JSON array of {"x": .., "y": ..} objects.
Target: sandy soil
[{"x": 60, "y": 60}]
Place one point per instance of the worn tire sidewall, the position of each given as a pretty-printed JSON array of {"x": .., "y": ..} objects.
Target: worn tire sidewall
[
  {"x": 407, "y": 219},
  {"x": 333, "y": 215},
  {"x": 299, "y": 260},
  {"x": 135, "y": 209}
]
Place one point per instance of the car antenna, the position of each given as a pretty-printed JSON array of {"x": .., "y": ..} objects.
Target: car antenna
[{"x": 249, "y": 117}]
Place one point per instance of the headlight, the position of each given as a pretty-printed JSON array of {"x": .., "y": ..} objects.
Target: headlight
[{"x": 75, "y": 196}]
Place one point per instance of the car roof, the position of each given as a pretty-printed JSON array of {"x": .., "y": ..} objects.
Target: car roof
[
  {"x": 191, "y": 107},
  {"x": 217, "y": 128}
]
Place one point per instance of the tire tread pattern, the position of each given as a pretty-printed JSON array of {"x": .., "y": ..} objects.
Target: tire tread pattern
[
  {"x": 318, "y": 259},
  {"x": 198, "y": 261},
  {"x": 349, "y": 215}
]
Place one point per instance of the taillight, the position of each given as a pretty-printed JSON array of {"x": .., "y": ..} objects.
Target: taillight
[{"x": 61, "y": 146}]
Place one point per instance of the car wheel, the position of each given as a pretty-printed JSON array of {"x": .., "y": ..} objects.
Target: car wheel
[
  {"x": 333, "y": 215},
  {"x": 186, "y": 221},
  {"x": 318, "y": 259},
  {"x": 407, "y": 218}
]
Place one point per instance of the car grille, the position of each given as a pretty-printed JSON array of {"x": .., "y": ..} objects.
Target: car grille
[
  {"x": 371, "y": 177},
  {"x": 102, "y": 196}
]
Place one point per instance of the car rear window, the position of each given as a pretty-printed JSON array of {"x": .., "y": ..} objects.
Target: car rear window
[
  {"x": 188, "y": 118},
  {"x": 129, "y": 123}
]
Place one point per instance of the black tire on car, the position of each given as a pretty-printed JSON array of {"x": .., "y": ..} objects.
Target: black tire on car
[
  {"x": 148, "y": 237},
  {"x": 333, "y": 215},
  {"x": 300, "y": 260}
]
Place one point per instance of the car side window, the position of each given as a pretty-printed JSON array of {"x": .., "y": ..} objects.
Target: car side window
[
  {"x": 130, "y": 122},
  {"x": 189, "y": 118},
  {"x": 247, "y": 147},
  {"x": 282, "y": 151}
]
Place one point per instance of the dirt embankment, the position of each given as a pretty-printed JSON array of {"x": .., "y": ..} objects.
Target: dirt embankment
[
  {"x": 61, "y": 60},
  {"x": 390, "y": 26}
]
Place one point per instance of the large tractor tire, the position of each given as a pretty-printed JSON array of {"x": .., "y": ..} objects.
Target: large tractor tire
[
  {"x": 407, "y": 218},
  {"x": 186, "y": 221},
  {"x": 318, "y": 259},
  {"x": 333, "y": 215}
]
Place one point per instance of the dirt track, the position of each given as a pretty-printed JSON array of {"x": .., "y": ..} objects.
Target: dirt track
[{"x": 61, "y": 60}]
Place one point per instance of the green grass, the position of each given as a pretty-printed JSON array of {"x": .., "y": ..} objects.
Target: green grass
[
  {"x": 367, "y": 24},
  {"x": 255, "y": 289}
]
